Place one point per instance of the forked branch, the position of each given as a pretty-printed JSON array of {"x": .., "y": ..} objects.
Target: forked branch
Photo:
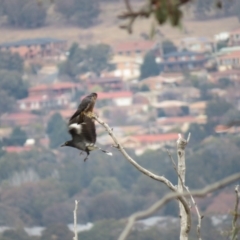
[{"x": 195, "y": 193}]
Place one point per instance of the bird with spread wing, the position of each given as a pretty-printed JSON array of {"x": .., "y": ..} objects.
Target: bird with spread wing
[{"x": 83, "y": 131}]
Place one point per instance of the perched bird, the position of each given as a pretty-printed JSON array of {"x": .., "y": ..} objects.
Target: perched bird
[
  {"x": 85, "y": 107},
  {"x": 83, "y": 135}
]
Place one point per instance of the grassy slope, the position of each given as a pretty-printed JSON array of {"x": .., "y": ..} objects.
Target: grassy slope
[{"x": 108, "y": 31}]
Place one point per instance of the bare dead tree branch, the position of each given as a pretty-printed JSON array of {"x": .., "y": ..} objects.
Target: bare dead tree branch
[
  {"x": 181, "y": 145},
  {"x": 145, "y": 171},
  {"x": 235, "y": 228},
  {"x": 200, "y": 217},
  {"x": 195, "y": 193},
  {"x": 75, "y": 220}
]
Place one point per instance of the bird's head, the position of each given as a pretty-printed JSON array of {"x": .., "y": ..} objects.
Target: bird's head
[{"x": 93, "y": 95}]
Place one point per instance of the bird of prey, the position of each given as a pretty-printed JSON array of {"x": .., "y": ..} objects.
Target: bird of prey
[
  {"x": 85, "y": 107},
  {"x": 83, "y": 135}
]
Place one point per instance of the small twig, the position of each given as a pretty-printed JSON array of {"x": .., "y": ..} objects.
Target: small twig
[
  {"x": 75, "y": 220},
  {"x": 155, "y": 207},
  {"x": 234, "y": 231},
  {"x": 200, "y": 217}
]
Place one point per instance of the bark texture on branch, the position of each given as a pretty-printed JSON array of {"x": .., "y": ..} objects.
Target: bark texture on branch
[
  {"x": 75, "y": 220},
  {"x": 184, "y": 225}
]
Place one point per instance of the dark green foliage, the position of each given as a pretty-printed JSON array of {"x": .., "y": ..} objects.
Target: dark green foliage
[
  {"x": 57, "y": 231},
  {"x": 6, "y": 103},
  {"x": 57, "y": 131},
  {"x": 168, "y": 47},
  {"x": 217, "y": 158},
  {"x": 18, "y": 234},
  {"x": 103, "y": 230},
  {"x": 11, "y": 61},
  {"x": 198, "y": 133},
  {"x": 224, "y": 83},
  {"x": 149, "y": 67},
  {"x": 17, "y": 138},
  {"x": 144, "y": 88},
  {"x": 81, "y": 12},
  {"x": 217, "y": 107},
  {"x": 11, "y": 82},
  {"x": 94, "y": 58},
  {"x": 24, "y": 13}
]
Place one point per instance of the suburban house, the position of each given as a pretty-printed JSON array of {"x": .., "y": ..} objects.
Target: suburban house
[
  {"x": 142, "y": 143},
  {"x": 43, "y": 102},
  {"x": 123, "y": 98},
  {"x": 136, "y": 49},
  {"x": 126, "y": 67},
  {"x": 36, "y": 47},
  {"x": 234, "y": 38},
  {"x": 197, "y": 44},
  {"x": 146, "y": 97},
  {"x": 55, "y": 89},
  {"x": 171, "y": 108},
  {"x": 184, "y": 60},
  {"x": 198, "y": 108},
  {"x": 230, "y": 61},
  {"x": 18, "y": 119},
  {"x": 107, "y": 83}
]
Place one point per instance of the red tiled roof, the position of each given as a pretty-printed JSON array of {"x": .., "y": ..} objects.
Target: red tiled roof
[
  {"x": 235, "y": 54},
  {"x": 133, "y": 46},
  {"x": 156, "y": 138},
  {"x": 109, "y": 95},
  {"x": 19, "y": 116},
  {"x": 235, "y": 31},
  {"x": 55, "y": 86},
  {"x": 185, "y": 119},
  {"x": 17, "y": 149}
]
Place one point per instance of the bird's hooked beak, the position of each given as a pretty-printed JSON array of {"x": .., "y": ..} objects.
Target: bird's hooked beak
[{"x": 63, "y": 145}]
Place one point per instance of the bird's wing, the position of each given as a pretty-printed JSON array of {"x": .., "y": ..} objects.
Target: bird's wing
[
  {"x": 82, "y": 106},
  {"x": 89, "y": 129},
  {"x": 75, "y": 130}
]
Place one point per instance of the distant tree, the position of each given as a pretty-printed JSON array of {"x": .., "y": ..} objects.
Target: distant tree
[
  {"x": 24, "y": 13},
  {"x": 224, "y": 83},
  {"x": 57, "y": 131},
  {"x": 144, "y": 88},
  {"x": 100, "y": 184},
  {"x": 11, "y": 61},
  {"x": 18, "y": 137},
  {"x": 198, "y": 133},
  {"x": 7, "y": 103},
  {"x": 18, "y": 234},
  {"x": 217, "y": 107},
  {"x": 57, "y": 232},
  {"x": 12, "y": 83},
  {"x": 168, "y": 47},
  {"x": 222, "y": 44},
  {"x": 82, "y": 12},
  {"x": 149, "y": 67},
  {"x": 94, "y": 58},
  {"x": 103, "y": 230}
]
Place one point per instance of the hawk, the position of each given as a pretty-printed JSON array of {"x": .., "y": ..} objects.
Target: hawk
[
  {"x": 83, "y": 135},
  {"x": 85, "y": 107}
]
